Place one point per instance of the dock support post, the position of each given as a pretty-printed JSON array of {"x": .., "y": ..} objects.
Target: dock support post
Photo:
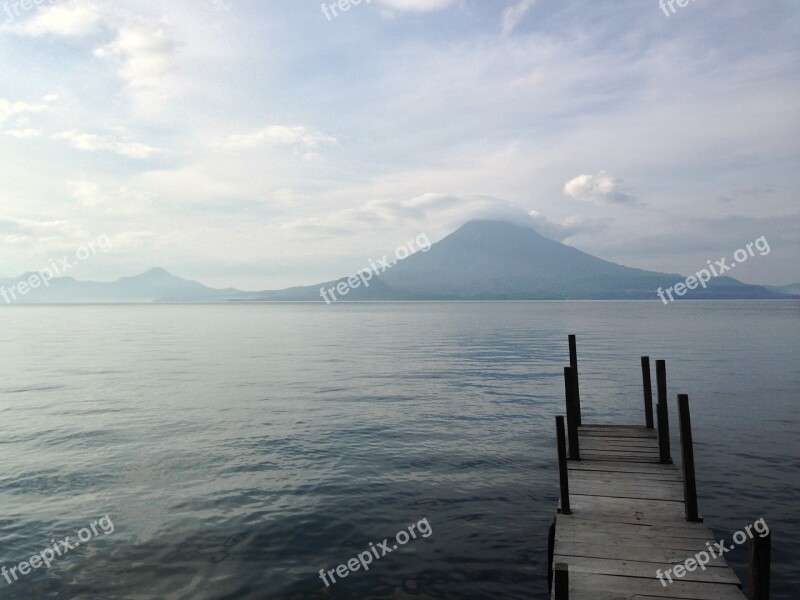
[
  {"x": 665, "y": 458},
  {"x": 561, "y": 582},
  {"x": 760, "y": 556},
  {"x": 563, "y": 473},
  {"x": 551, "y": 549},
  {"x": 687, "y": 454},
  {"x": 572, "y": 417},
  {"x": 648, "y": 392},
  {"x": 573, "y": 362}
]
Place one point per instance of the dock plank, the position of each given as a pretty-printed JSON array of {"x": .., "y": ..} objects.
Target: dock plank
[{"x": 593, "y": 586}]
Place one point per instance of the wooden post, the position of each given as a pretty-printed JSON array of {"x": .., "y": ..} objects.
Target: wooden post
[
  {"x": 687, "y": 454},
  {"x": 661, "y": 380},
  {"x": 648, "y": 392},
  {"x": 760, "y": 556},
  {"x": 551, "y": 548},
  {"x": 563, "y": 473},
  {"x": 664, "y": 455},
  {"x": 573, "y": 362},
  {"x": 561, "y": 582},
  {"x": 572, "y": 417}
]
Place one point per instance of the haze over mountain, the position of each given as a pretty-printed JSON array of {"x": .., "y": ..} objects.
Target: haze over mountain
[
  {"x": 482, "y": 260},
  {"x": 792, "y": 289},
  {"x": 155, "y": 284}
]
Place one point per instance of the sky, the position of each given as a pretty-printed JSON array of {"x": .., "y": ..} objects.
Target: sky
[{"x": 266, "y": 143}]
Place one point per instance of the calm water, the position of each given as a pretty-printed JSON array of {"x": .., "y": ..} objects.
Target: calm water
[{"x": 239, "y": 449}]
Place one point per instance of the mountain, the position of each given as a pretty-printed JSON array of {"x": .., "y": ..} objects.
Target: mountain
[
  {"x": 483, "y": 260},
  {"x": 792, "y": 289},
  {"x": 486, "y": 260},
  {"x": 155, "y": 284},
  {"x": 493, "y": 260}
]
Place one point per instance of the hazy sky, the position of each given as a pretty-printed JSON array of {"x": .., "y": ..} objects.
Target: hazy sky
[{"x": 260, "y": 144}]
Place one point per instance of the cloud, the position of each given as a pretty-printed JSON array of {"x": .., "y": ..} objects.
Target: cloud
[
  {"x": 109, "y": 199},
  {"x": 95, "y": 143},
  {"x": 600, "y": 189},
  {"x": 9, "y": 110},
  {"x": 417, "y": 5},
  {"x": 225, "y": 5},
  {"x": 304, "y": 141},
  {"x": 445, "y": 212},
  {"x": 71, "y": 19},
  {"x": 141, "y": 54},
  {"x": 747, "y": 193},
  {"x": 23, "y": 133},
  {"x": 513, "y": 15},
  {"x": 140, "y": 49},
  {"x": 19, "y": 231}
]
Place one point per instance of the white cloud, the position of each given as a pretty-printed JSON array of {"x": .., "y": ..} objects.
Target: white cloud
[
  {"x": 513, "y": 15},
  {"x": 140, "y": 49},
  {"x": 94, "y": 143},
  {"x": 600, "y": 189},
  {"x": 110, "y": 199},
  {"x": 23, "y": 133},
  {"x": 141, "y": 54},
  {"x": 9, "y": 110},
  {"x": 446, "y": 211},
  {"x": 417, "y": 5},
  {"x": 76, "y": 18},
  {"x": 31, "y": 232},
  {"x": 305, "y": 142}
]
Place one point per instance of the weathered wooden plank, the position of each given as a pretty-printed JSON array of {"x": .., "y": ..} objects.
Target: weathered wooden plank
[
  {"x": 612, "y": 466},
  {"x": 627, "y": 509},
  {"x": 632, "y": 543},
  {"x": 591, "y": 586},
  {"x": 632, "y": 492},
  {"x": 607, "y": 453},
  {"x": 626, "y": 480},
  {"x": 613, "y": 426},
  {"x": 602, "y": 435},
  {"x": 611, "y": 479},
  {"x": 612, "y": 442},
  {"x": 624, "y": 477},
  {"x": 612, "y": 550},
  {"x": 620, "y": 431},
  {"x": 590, "y": 455},
  {"x": 594, "y": 444},
  {"x": 644, "y": 570},
  {"x": 581, "y": 524}
]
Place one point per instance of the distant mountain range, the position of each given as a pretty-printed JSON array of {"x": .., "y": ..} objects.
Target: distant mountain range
[
  {"x": 483, "y": 260},
  {"x": 153, "y": 285},
  {"x": 793, "y": 289}
]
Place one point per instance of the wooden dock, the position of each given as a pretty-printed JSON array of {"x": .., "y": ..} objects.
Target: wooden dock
[{"x": 627, "y": 516}]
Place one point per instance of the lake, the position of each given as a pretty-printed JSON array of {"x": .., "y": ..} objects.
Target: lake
[{"x": 238, "y": 449}]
